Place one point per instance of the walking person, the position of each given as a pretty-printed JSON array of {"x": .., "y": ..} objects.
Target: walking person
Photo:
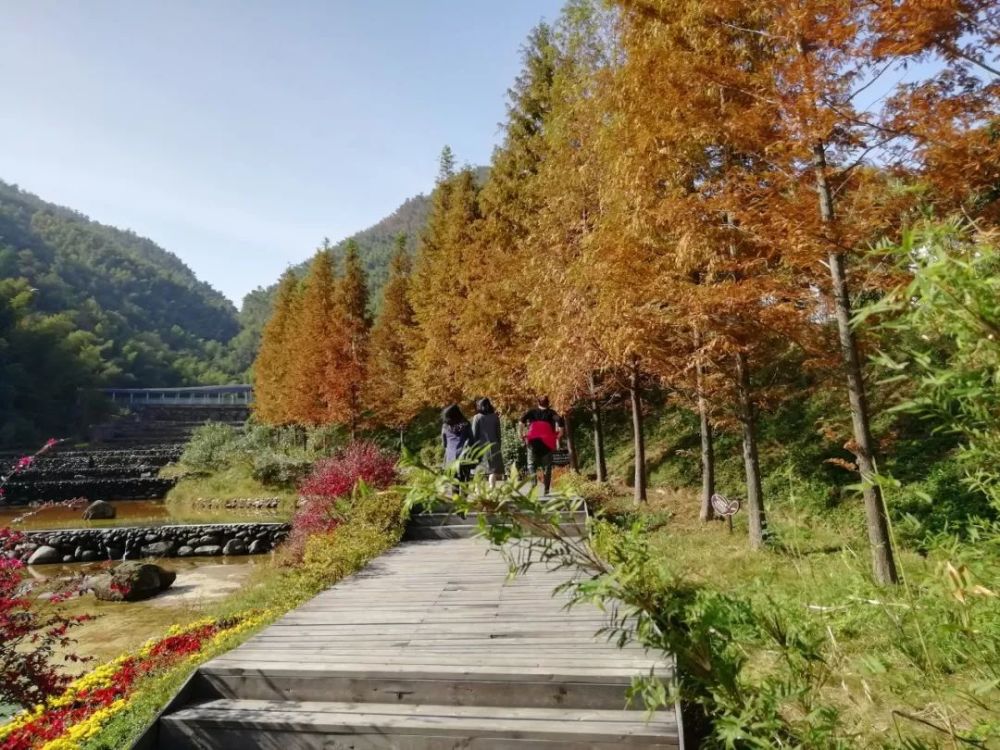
[
  {"x": 456, "y": 434},
  {"x": 486, "y": 432},
  {"x": 541, "y": 428}
]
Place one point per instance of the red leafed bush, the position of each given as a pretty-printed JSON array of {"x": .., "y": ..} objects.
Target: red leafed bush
[
  {"x": 336, "y": 476},
  {"x": 325, "y": 492},
  {"x": 30, "y": 633}
]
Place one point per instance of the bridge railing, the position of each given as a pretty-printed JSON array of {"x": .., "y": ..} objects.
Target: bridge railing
[{"x": 214, "y": 395}]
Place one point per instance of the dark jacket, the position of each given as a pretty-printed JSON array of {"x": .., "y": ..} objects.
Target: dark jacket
[
  {"x": 486, "y": 431},
  {"x": 455, "y": 438}
]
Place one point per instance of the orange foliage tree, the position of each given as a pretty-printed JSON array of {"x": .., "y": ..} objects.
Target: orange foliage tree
[
  {"x": 389, "y": 355},
  {"x": 314, "y": 344},
  {"x": 346, "y": 369},
  {"x": 272, "y": 368}
]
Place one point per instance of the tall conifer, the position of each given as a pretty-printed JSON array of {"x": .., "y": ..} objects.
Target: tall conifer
[
  {"x": 346, "y": 372},
  {"x": 272, "y": 368},
  {"x": 445, "y": 361},
  {"x": 389, "y": 357},
  {"x": 314, "y": 343}
]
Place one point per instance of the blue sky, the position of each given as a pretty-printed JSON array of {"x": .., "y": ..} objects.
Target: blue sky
[{"x": 239, "y": 134}]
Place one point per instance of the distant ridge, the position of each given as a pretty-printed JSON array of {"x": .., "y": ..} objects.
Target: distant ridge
[{"x": 376, "y": 245}]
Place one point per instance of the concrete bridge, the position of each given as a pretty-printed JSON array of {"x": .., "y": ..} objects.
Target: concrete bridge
[{"x": 200, "y": 395}]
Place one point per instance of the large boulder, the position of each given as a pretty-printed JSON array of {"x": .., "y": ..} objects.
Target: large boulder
[
  {"x": 208, "y": 550},
  {"x": 99, "y": 510},
  {"x": 132, "y": 582},
  {"x": 45, "y": 554}
]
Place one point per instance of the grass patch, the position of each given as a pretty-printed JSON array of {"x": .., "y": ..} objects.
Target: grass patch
[
  {"x": 913, "y": 664},
  {"x": 187, "y": 498}
]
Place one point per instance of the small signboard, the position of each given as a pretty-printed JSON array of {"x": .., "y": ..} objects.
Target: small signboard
[
  {"x": 725, "y": 508},
  {"x": 560, "y": 458}
]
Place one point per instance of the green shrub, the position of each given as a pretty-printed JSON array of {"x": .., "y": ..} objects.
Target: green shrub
[
  {"x": 374, "y": 522},
  {"x": 212, "y": 446},
  {"x": 278, "y": 470}
]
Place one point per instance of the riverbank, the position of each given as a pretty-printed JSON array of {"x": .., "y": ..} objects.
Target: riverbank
[{"x": 202, "y": 585}]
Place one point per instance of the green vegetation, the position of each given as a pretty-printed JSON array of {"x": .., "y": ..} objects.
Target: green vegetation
[
  {"x": 795, "y": 646},
  {"x": 84, "y": 305}
]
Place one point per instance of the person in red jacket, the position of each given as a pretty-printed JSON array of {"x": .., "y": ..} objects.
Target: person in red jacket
[{"x": 541, "y": 429}]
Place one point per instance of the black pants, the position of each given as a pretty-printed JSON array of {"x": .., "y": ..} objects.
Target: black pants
[{"x": 540, "y": 457}]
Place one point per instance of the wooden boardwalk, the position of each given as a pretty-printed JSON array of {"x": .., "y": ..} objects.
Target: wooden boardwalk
[{"x": 430, "y": 646}]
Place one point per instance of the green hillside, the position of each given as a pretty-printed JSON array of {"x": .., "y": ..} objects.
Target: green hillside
[
  {"x": 376, "y": 245},
  {"x": 84, "y": 305}
]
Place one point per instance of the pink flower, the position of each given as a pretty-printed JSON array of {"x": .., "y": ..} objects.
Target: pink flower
[
  {"x": 24, "y": 462},
  {"x": 49, "y": 443}
]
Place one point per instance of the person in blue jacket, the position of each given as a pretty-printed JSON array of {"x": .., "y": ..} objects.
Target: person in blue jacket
[{"x": 456, "y": 434}]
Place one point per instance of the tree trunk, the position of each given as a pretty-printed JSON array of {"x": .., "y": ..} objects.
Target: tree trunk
[
  {"x": 570, "y": 443},
  {"x": 883, "y": 561},
  {"x": 748, "y": 417},
  {"x": 640, "y": 442},
  {"x": 707, "y": 449},
  {"x": 598, "y": 422}
]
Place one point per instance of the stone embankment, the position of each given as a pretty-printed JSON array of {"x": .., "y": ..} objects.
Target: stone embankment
[
  {"x": 130, "y": 543},
  {"x": 161, "y": 424},
  {"x": 93, "y": 475},
  {"x": 132, "y": 488}
]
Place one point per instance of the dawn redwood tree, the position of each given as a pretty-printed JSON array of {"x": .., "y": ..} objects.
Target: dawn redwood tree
[
  {"x": 597, "y": 423},
  {"x": 568, "y": 352},
  {"x": 315, "y": 343},
  {"x": 503, "y": 278},
  {"x": 389, "y": 357},
  {"x": 272, "y": 367},
  {"x": 443, "y": 368},
  {"x": 347, "y": 370},
  {"x": 687, "y": 160},
  {"x": 944, "y": 124}
]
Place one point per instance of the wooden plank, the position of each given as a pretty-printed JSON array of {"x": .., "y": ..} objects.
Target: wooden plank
[
  {"x": 582, "y": 725},
  {"x": 433, "y": 624}
]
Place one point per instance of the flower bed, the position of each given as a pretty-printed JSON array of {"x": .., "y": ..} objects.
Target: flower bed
[{"x": 67, "y": 721}]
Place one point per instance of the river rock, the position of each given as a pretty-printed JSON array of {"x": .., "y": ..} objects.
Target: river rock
[
  {"x": 44, "y": 554},
  {"x": 208, "y": 550},
  {"x": 235, "y": 547},
  {"x": 99, "y": 510},
  {"x": 88, "y": 555},
  {"x": 258, "y": 547},
  {"x": 185, "y": 551},
  {"x": 159, "y": 549},
  {"x": 133, "y": 582}
]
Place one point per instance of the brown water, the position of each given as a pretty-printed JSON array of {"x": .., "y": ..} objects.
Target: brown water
[{"x": 129, "y": 513}]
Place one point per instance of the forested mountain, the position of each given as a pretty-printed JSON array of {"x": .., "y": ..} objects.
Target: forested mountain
[
  {"x": 376, "y": 246},
  {"x": 84, "y": 305}
]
